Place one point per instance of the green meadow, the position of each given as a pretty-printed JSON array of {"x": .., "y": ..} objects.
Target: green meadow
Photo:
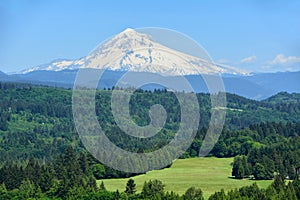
[{"x": 210, "y": 174}]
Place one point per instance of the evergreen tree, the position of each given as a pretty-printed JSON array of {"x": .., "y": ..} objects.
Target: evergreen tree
[
  {"x": 259, "y": 172},
  {"x": 92, "y": 184},
  {"x": 296, "y": 184},
  {"x": 117, "y": 195},
  {"x": 218, "y": 195},
  {"x": 72, "y": 172},
  {"x": 193, "y": 194},
  {"x": 251, "y": 192},
  {"x": 69, "y": 172},
  {"x": 238, "y": 170},
  {"x": 246, "y": 166},
  {"x": 83, "y": 162},
  {"x": 130, "y": 187},
  {"x": 269, "y": 167},
  {"x": 153, "y": 189},
  {"x": 47, "y": 178},
  {"x": 28, "y": 190},
  {"x": 33, "y": 171},
  {"x": 278, "y": 183},
  {"x": 171, "y": 196},
  {"x": 102, "y": 186},
  {"x": 290, "y": 192}
]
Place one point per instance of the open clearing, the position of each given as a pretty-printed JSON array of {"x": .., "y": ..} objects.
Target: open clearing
[{"x": 209, "y": 174}]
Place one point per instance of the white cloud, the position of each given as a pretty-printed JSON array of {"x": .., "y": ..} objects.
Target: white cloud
[
  {"x": 249, "y": 59},
  {"x": 281, "y": 59},
  {"x": 282, "y": 63}
]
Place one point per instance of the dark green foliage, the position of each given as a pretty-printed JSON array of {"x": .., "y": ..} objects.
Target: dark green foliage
[
  {"x": 102, "y": 186},
  {"x": 251, "y": 192},
  {"x": 277, "y": 190},
  {"x": 171, "y": 196},
  {"x": 218, "y": 196},
  {"x": 193, "y": 194},
  {"x": 98, "y": 171},
  {"x": 83, "y": 163},
  {"x": 37, "y": 122},
  {"x": 29, "y": 190},
  {"x": 47, "y": 177},
  {"x": 92, "y": 184},
  {"x": 153, "y": 190},
  {"x": 3, "y": 189},
  {"x": 57, "y": 180},
  {"x": 130, "y": 187},
  {"x": 296, "y": 185},
  {"x": 259, "y": 172},
  {"x": 278, "y": 183},
  {"x": 277, "y": 152},
  {"x": 69, "y": 172},
  {"x": 4, "y": 118},
  {"x": 233, "y": 143},
  {"x": 241, "y": 168}
]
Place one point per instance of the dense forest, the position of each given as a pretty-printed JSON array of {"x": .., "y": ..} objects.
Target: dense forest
[
  {"x": 37, "y": 121},
  {"x": 41, "y": 155}
]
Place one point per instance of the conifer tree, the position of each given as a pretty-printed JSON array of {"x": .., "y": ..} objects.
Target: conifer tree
[
  {"x": 130, "y": 187},
  {"x": 102, "y": 186}
]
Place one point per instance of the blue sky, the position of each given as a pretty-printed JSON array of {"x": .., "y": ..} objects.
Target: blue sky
[{"x": 254, "y": 35}]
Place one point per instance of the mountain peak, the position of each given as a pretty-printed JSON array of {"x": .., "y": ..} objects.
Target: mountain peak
[
  {"x": 128, "y": 33},
  {"x": 128, "y": 30},
  {"x": 138, "y": 52}
]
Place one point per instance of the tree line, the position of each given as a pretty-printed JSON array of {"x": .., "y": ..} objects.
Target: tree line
[{"x": 70, "y": 178}]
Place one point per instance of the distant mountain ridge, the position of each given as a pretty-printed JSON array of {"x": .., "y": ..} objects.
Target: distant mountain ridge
[
  {"x": 280, "y": 81},
  {"x": 2, "y": 74},
  {"x": 257, "y": 86}
]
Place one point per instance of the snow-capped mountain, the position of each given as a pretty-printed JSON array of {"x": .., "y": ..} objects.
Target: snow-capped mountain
[
  {"x": 57, "y": 65},
  {"x": 138, "y": 52}
]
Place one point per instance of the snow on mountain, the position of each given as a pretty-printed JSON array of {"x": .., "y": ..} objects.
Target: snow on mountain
[
  {"x": 57, "y": 65},
  {"x": 137, "y": 52}
]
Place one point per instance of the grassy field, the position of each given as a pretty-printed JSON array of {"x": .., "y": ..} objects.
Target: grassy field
[{"x": 209, "y": 174}]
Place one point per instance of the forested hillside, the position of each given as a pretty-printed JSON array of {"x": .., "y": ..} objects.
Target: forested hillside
[
  {"x": 38, "y": 141},
  {"x": 37, "y": 121}
]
